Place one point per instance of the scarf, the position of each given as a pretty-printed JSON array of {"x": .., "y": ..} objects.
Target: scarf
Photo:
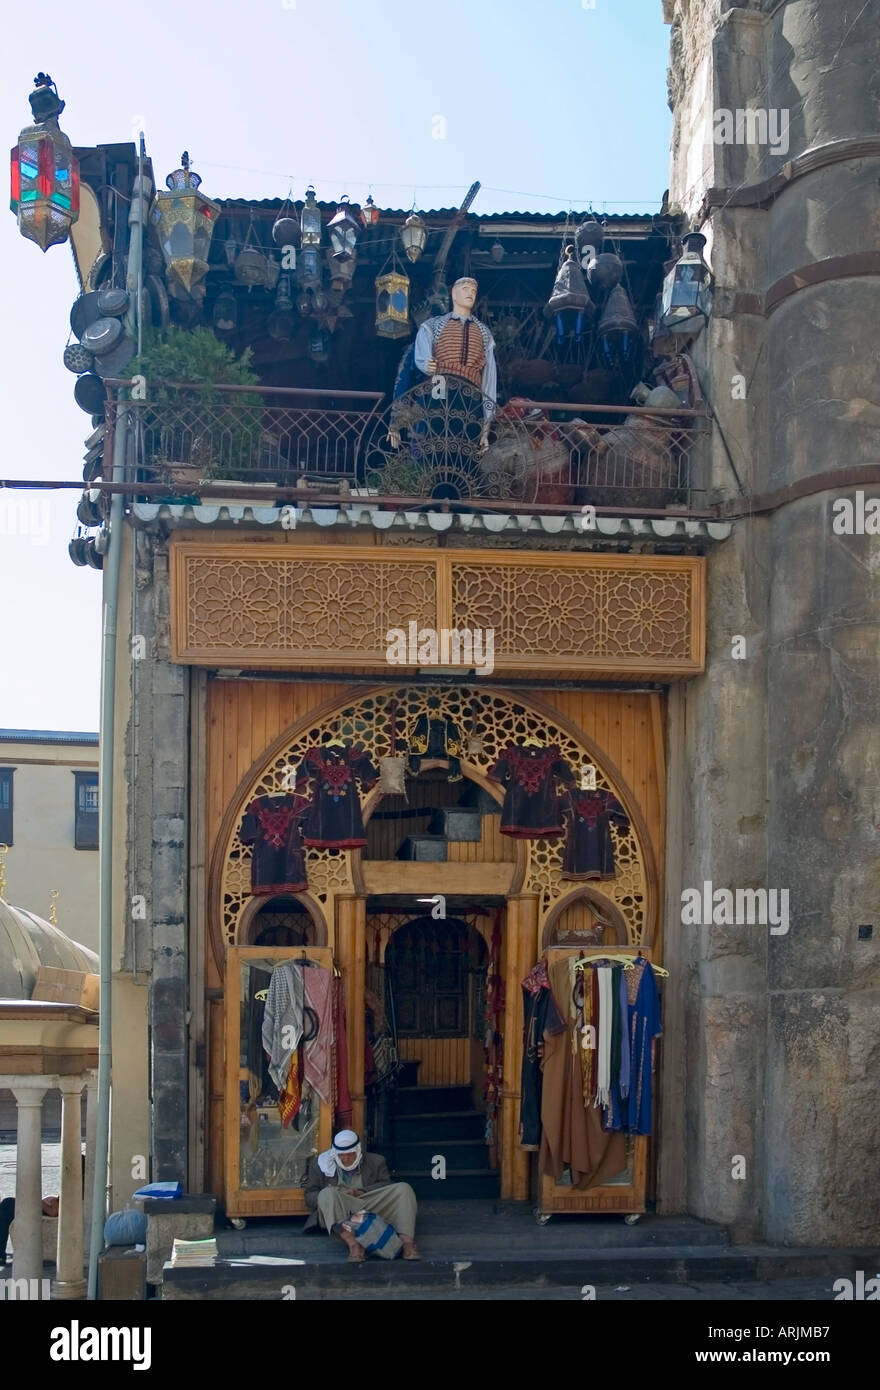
[
  {"x": 346, "y": 1142},
  {"x": 603, "y": 1081},
  {"x": 283, "y": 1020}
]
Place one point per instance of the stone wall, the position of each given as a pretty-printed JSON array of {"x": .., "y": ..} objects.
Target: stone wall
[{"x": 782, "y": 748}]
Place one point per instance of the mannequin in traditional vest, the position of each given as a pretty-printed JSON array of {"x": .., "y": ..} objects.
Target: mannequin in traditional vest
[{"x": 459, "y": 346}]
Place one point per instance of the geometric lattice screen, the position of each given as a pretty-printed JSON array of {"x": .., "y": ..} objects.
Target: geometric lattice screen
[
  {"x": 488, "y": 721},
  {"x": 279, "y": 606}
]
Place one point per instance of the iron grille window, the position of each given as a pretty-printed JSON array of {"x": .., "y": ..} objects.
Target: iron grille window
[
  {"x": 86, "y": 824},
  {"x": 6, "y": 805}
]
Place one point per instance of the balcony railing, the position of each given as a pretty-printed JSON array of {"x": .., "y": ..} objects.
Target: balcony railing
[{"x": 432, "y": 444}]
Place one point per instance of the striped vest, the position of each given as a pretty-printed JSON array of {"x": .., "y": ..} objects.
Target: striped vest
[{"x": 459, "y": 351}]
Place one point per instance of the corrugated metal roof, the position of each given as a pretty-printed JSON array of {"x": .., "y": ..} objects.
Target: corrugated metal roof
[
  {"x": 46, "y": 736},
  {"x": 275, "y": 205}
]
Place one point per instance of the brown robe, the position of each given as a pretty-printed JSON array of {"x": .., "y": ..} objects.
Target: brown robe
[{"x": 572, "y": 1132}]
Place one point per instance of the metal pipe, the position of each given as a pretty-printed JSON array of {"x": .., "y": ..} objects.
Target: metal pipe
[{"x": 105, "y": 848}]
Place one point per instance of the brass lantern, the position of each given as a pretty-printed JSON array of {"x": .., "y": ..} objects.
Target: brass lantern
[
  {"x": 45, "y": 172},
  {"x": 344, "y": 231},
  {"x": 369, "y": 212},
  {"x": 413, "y": 234},
  {"x": 310, "y": 220},
  {"x": 392, "y": 305},
  {"x": 686, "y": 300},
  {"x": 184, "y": 220}
]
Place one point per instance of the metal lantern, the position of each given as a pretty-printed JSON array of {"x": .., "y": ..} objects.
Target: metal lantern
[
  {"x": 282, "y": 321},
  {"x": 618, "y": 316},
  {"x": 605, "y": 271},
  {"x": 392, "y": 305},
  {"x": 589, "y": 239},
  {"x": 225, "y": 313},
  {"x": 369, "y": 212},
  {"x": 686, "y": 299},
  {"x": 184, "y": 220},
  {"x": 251, "y": 266},
  {"x": 77, "y": 358},
  {"x": 308, "y": 268},
  {"x": 310, "y": 220},
  {"x": 496, "y": 250},
  {"x": 319, "y": 347},
  {"x": 569, "y": 293},
  {"x": 45, "y": 172},
  {"x": 341, "y": 272},
  {"x": 413, "y": 234},
  {"x": 285, "y": 228},
  {"x": 344, "y": 231}
]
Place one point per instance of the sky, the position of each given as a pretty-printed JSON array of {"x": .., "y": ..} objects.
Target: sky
[{"x": 551, "y": 104}]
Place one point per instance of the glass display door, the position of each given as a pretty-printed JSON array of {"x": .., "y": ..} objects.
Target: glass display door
[{"x": 276, "y": 1118}]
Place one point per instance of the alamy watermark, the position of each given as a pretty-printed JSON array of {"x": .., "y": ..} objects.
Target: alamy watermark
[
  {"x": 856, "y": 516},
  {"x": 708, "y": 906},
  {"x": 471, "y": 648},
  {"x": 753, "y": 125},
  {"x": 31, "y": 1290}
]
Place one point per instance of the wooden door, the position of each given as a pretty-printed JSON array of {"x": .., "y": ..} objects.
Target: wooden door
[{"x": 265, "y": 1160}]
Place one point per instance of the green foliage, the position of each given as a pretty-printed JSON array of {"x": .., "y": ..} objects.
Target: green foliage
[{"x": 187, "y": 419}]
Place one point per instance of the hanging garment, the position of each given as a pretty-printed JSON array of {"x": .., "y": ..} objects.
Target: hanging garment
[
  {"x": 343, "y": 1097},
  {"x": 283, "y": 1020},
  {"x": 435, "y": 738},
  {"x": 291, "y": 1096},
  {"x": 318, "y": 1051},
  {"x": 589, "y": 848},
  {"x": 493, "y": 1037},
  {"x": 632, "y": 1113},
  {"x": 272, "y": 824},
  {"x": 540, "y": 1015},
  {"x": 529, "y": 774},
  {"x": 572, "y": 1134},
  {"x": 333, "y": 771}
]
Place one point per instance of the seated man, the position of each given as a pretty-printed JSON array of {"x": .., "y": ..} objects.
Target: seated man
[{"x": 343, "y": 1179}]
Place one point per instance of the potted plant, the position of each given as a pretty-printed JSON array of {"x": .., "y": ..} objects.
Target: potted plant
[{"x": 192, "y": 431}]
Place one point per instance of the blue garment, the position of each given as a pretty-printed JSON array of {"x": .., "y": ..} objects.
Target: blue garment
[{"x": 633, "y": 1113}]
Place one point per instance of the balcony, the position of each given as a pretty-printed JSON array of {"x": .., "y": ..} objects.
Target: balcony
[{"x": 431, "y": 447}]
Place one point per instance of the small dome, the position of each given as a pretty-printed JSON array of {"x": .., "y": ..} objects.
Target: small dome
[{"x": 27, "y": 942}]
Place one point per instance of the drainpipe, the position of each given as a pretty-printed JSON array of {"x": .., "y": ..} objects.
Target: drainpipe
[{"x": 105, "y": 763}]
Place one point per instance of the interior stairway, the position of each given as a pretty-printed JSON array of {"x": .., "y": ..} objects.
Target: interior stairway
[{"x": 441, "y": 1121}]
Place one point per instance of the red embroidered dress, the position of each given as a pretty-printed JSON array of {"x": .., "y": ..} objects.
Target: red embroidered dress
[
  {"x": 272, "y": 825},
  {"x": 531, "y": 808},
  {"x": 332, "y": 772}
]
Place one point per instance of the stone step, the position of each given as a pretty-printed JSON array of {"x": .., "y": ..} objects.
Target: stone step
[
  {"x": 437, "y": 1128},
  {"x": 418, "y": 1157},
  {"x": 459, "y": 1184}
]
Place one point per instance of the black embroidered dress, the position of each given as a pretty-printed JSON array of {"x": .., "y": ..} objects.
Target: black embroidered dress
[
  {"x": 332, "y": 772},
  {"x": 272, "y": 824},
  {"x": 589, "y": 848},
  {"x": 531, "y": 809}
]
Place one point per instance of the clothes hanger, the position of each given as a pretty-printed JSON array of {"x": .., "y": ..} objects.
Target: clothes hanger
[{"x": 628, "y": 960}]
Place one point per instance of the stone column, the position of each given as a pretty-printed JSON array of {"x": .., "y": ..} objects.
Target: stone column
[
  {"x": 69, "y": 1282},
  {"x": 27, "y": 1262}
]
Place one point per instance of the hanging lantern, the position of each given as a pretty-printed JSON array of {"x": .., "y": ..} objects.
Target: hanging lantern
[
  {"x": 282, "y": 321},
  {"x": 310, "y": 220},
  {"x": 392, "y": 305},
  {"x": 45, "y": 172},
  {"x": 308, "y": 268},
  {"x": 496, "y": 251},
  {"x": 369, "y": 212},
  {"x": 319, "y": 348},
  {"x": 285, "y": 228},
  {"x": 569, "y": 294},
  {"x": 618, "y": 329},
  {"x": 251, "y": 265},
  {"x": 184, "y": 220},
  {"x": 224, "y": 315},
  {"x": 344, "y": 231},
  {"x": 341, "y": 272},
  {"x": 413, "y": 234},
  {"x": 686, "y": 301}
]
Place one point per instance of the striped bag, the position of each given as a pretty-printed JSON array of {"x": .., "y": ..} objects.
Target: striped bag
[{"x": 375, "y": 1235}]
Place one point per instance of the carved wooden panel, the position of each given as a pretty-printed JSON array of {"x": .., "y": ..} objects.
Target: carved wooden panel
[{"x": 283, "y": 605}]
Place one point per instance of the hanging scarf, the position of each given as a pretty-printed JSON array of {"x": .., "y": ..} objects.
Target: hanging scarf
[
  {"x": 318, "y": 1051},
  {"x": 606, "y": 1018},
  {"x": 284, "y": 1011}
]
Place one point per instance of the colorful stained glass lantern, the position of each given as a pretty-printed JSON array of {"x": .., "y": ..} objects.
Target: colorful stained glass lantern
[
  {"x": 184, "y": 220},
  {"x": 310, "y": 220},
  {"x": 413, "y": 234},
  {"x": 45, "y": 172},
  {"x": 344, "y": 231},
  {"x": 686, "y": 300},
  {"x": 392, "y": 305}
]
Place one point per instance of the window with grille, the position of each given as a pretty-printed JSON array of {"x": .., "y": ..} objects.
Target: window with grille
[
  {"x": 6, "y": 805},
  {"x": 86, "y": 823}
]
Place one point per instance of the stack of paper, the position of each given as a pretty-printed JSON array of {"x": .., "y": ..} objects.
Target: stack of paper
[{"x": 193, "y": 1252}]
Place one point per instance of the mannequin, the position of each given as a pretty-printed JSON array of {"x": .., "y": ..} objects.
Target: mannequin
[{"x": 459, "y": 346}]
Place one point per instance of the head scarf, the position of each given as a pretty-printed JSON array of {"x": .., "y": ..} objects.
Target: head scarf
[{"x": 345, "y": 1142}]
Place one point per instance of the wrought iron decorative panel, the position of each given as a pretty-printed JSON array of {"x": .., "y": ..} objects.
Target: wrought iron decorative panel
[{"x": 279, "y": 606}]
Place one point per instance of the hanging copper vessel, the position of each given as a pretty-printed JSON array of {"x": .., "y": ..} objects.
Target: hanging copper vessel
[
  {"x": 618, "y": 316},
  {"x": 569, "y": 289},
  {"x": 605, "y": 271}
]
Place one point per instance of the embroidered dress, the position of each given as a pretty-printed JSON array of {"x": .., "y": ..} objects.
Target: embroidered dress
[
  {"x": 531, "y": 809},
  {"x": 334, "y": 820},
  {"x": 589, "y": 848},
  {"x": 272, "y": 824}
]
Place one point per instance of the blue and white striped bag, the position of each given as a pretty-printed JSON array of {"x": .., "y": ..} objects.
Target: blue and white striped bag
[{"x": 375, "y": 1235}]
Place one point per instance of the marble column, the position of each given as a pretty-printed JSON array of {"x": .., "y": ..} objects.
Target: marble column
[
  {"x": 91, "y": 1128},
  {"x": 69, "y": 1281},
  {"x": 27, "y": 1262}
]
